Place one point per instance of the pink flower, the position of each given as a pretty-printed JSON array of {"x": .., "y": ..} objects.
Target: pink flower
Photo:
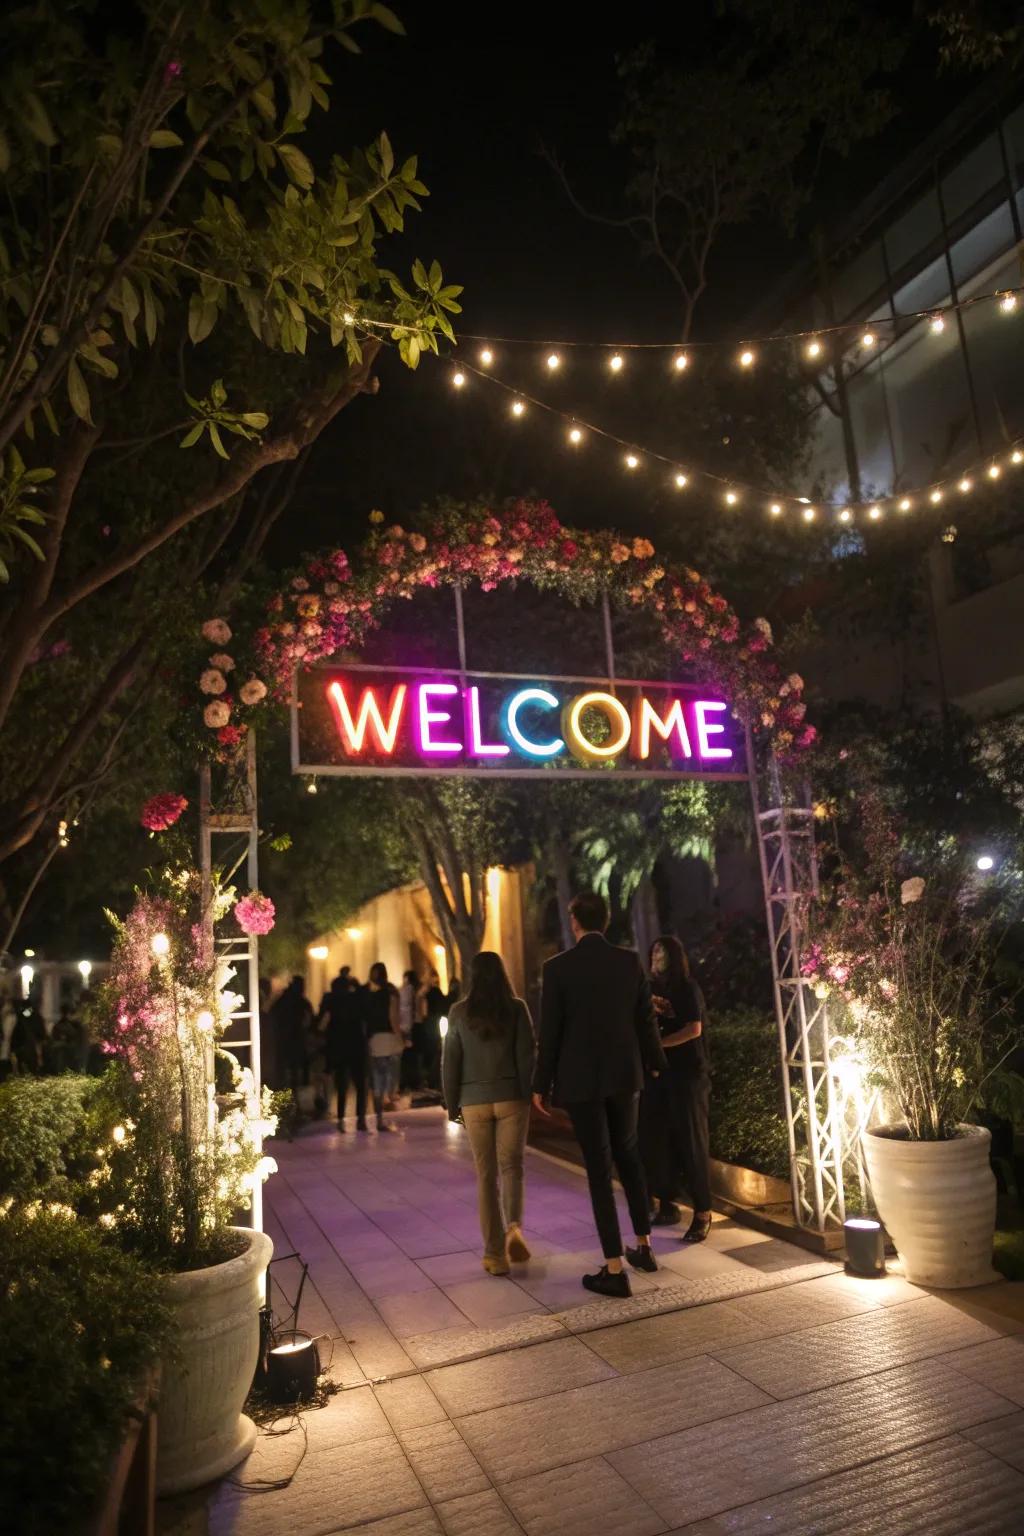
[
  {"x": 213, "y": 681},
  {"x": 231, "y": 735},
  {"x": 216, "y": 631},
  {"x": 217, "y": 714},
  {"x": 255, "y": 913},
  {"x": 162, "y": 811},
  {"x": 223, "y": 662},
  {"x": 643, "y": 549},
  {"x": 417, "y": 542},
  {"x": 253, "y": 691},
  {"x": 309, "y": 606}
]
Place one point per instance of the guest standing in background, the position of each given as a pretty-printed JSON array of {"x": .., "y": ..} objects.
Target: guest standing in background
[
  {"x": 674, "y": 1112},
  {"x": 408, "y": 998},
  {"x": 346, "y": 1044},
  {"x": 384, "y": 1037},
  {"x": 487, "y": 1070},
  {"x": 291, "y": 1016},
  {"x": 434, "y": 1004}
]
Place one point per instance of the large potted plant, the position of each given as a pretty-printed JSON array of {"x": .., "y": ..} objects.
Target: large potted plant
[
  {"x": 183, "y": 1163},
  {"x": 912, "y": 960}
]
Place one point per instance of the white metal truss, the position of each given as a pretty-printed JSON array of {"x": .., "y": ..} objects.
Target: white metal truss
[
  {"x": 229, "y": 840},
  {"x": 784, "y": 824}
]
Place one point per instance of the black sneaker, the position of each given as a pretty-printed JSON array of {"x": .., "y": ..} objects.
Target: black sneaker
[
  {"x": 607, "y": 1284},
  {"x": 361, "y": 1125},
  {"x": 667, "y": 1215},
  {"x": 642, "y": 1257}
]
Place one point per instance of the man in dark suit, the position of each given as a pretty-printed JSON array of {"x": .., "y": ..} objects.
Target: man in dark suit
[{"x": 598, "y": 1032}]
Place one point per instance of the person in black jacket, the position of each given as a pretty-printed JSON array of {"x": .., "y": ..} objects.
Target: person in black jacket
[
  {"x": 598, "y": 1034},
  {"x": 674, "y": 1108},
  {"x": 346, "y": 1044}
]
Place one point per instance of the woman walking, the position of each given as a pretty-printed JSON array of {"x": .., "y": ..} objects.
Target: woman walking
[
  {"x": 487, "y": 1070},
  {"x": 674, "y": 1109},
  {"x": 384, "y": 1037}
]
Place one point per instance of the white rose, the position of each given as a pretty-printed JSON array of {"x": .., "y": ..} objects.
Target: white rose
[{"x": 911, "y": 890}]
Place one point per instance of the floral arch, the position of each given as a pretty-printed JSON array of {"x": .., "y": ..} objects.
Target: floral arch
[{"x": 332, "y": 606}]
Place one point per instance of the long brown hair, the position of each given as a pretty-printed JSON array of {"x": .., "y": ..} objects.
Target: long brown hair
[
  {"x": 678, "y": 963},
  {"x": 490, "y": 1002}
]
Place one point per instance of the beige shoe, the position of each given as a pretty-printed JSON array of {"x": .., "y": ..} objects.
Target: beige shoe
[
  {"x": 495, "y": 1266},
  {"x": 515, "y": 1247}
]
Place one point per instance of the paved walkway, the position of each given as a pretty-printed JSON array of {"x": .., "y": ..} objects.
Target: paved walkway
[{"x": 748, "y": 1386}]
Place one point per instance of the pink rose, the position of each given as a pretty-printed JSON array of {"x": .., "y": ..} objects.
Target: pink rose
[
  {"x": 212, "y": 681},
  {"x": 162, "y": 811},
  {"x": 253, "y": 691},
  {"x": 216, "y": 631},
  {"x": 255, "y": 913},
  {"x": 217, "y": 714},
  {"x": 223, "y": 662}
]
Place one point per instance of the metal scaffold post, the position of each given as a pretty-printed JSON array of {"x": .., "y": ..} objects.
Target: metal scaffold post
[
  {"x": 785, "y": 835},
  {"x": 229, "y": 841}
]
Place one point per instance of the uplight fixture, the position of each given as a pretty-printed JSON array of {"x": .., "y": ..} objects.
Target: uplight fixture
[
  {"x": 865, "y": 1247},
  {"x": 293, "y": 1365}
]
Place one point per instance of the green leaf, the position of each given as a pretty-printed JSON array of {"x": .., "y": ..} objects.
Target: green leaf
[
  {"x": 257, "y": 419},
  {"x": 202, "y": 317},
  {"x": 411, "y": 349},
  {"x": 218, "y": 394},
  {"x": 16, "y": 461},
  {"x": 36, "y": 120},
  {"x": 216, "y": 170},
  {"x": 27, "y": 539},
  {"x": 95, "y": 358},
  {"x": 149, "y": 313},
  {"x": 164, "y": 138},
  {"x": 215, "y": 439},
  {"x": 296, "y": 165},
  {"x": 78, "y": 394},
  {"x": 192, "y": 436},
  {"x": 109, "y": 144},
  {"x": 387, "y": 155},
  {"x": 387, "y": 19},
  {"x": 39, "y": 476}
]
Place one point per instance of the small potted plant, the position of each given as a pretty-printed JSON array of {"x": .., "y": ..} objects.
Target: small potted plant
[
  {"x": 182, "y": 1164},
  {"x": 912, "y": 958}
]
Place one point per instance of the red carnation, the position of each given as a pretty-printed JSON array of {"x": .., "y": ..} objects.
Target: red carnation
[{"x": 162, "y": 811}]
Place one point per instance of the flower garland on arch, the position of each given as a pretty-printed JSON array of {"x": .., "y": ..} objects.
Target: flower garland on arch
[{"x": 330, "y": 607}]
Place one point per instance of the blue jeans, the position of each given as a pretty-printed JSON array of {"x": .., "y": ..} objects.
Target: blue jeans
[{"x": 383, "y": 1079}]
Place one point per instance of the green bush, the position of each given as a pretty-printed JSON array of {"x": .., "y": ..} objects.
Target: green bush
[
  {"x": 81, "y": 1324},
  {"x": 49, "y": 1130},
  {"x": 748, "y": 1125}
]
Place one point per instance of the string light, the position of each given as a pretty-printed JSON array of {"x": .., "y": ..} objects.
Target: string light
[
  {"x": 965, "y": 485},
  {"x": 874, "y": 513},
  {"x": 458, "y": 379},
  {"x": 615, "y": 362},
  {"x": 845, "y": 515},
  {"x": 486, "y": 357},
  {"x": 775, "y": 509},
  {"x": 553, "y": 361},
  {"x": 938, "y": 325},
  {"x": 746, "y": 358},
  {"x": 994, "y": 471},
  {"x": 809, "y": 514},
  {"x": 814, "y": 348},
  {"x": 731, "y": 498},
  {"x": 631, "y": 461},
  {"x": 1008, "y": 303},
  {"x": 1016, "y": 456},
  {"x": 935, "y": 497},
  {"x": 905, "y": 504},
  {"x": 575, "y": 435},
  {"x": 680, "y": 362},
  {"x": 868, "y": 339},
  {"x": 681, "y": 481},
  {"x": 518, "y": 407}
]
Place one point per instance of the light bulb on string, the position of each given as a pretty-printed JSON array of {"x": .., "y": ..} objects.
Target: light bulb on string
[
  {"x": 964, "y": 485},
  {"x": 615, "y": 362},
  {"x": 486, "y": 357},
  {"x": 874, "y": 513},
  {"x": 938, "y": 325},
  {"x": 553, "y": 361},
  {"x": 1008, "y": 303},
  {"x": 775, "y": 509},
  {"x": 813, "y": 348},
  {"x": 681, "y": 481},
  {"x": 994, "y": 471},
  {"x": 631, "y": 461},
  {"x": 809, "y": 514},
  {"x": 575, "y": 435},
  {"x": 746, "y": 358},
  {"x": 518, "y": 407},
  {"x": 935, "y": 498},
  {"x": 845, "y": 515},
  {"x": 905, "y": 504},
  {"x": 731, "y": 498},
  {"x": 868, "y": 339},
  {"x": 1016, "y": 457},
  {"x": 680, "y": 362},
  {"x": 458, "y": 379}
]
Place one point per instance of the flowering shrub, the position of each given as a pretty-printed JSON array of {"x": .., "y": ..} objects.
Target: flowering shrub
[
  {"x": 161, "y": 812},
  {"x": 911, "y": 960},
  {"x": 330, "y": 607},
  {"x": 255, "y": 913}
]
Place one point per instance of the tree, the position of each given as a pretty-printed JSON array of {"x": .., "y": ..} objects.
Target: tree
[{"x": 175, "y": 273}]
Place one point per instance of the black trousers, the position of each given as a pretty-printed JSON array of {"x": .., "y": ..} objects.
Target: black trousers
[
  {"x": 674, "y": 1137},
  {"x": 351, "y": 1068},
  {"x": 606, "y": 1130}
]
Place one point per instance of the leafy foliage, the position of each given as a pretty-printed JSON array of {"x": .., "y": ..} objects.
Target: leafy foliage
[
  {"x": 49, "y": 1128},
  {"x": 747, "y": 1122}
]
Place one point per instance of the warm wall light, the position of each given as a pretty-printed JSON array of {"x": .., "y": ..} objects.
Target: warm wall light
[
  {"x": 353, "y": 934},
  {"x": 865, "y": 1247},
  {"x": 317, "y": 951}
]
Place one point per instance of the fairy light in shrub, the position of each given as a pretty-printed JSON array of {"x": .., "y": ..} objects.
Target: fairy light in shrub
[
  {"x": 118, "y": 1134},
  {"x": 160, "y": 944}
]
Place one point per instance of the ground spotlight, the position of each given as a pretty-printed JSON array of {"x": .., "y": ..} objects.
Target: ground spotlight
[{"x": 865, "y": 1247}]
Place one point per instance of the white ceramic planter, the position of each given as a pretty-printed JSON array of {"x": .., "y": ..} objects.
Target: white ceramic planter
[
  {"x": 201, "y": 1429},
  {"x": 937, "y": 1200}
]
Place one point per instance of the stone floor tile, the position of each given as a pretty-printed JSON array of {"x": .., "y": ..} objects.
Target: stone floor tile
[
  {"x": 349, "y": 1485},
  {"x": 478, "y": 1514},
  {"x": 530, "y": 1437},
  {"x": 446, "y": 1346},
  {"x": 451, "y": 1268},
  {"x": 492, "y": 1297},
  {"x": 345, "y": 1419},
  {"x": 652, "y": 1341},
  {"x": 389, "y": 1277},
  {"x": 805, "y": 1305},
  {"x": 409, "y": 1403},
  {"x": 443, "y": 1462},
  {"x": 998, "y": 1365},
  {"x": 791, "y": 1363},
  {"x": 377, "y": 1351},
  {"x": 696, "y": 1261},
  {"x": 517, "y": 1375},
  {"x": 771, "y": 1255},
  {"x": 888, "y": 1290},
  {"x": 1003, "y": 1437},
  {"x": 420, "y": 1312},
  {"x": 702, "y": 1471},
  {"x": 947, "y": 1488},
  {"x": 579, "y": 1501}
]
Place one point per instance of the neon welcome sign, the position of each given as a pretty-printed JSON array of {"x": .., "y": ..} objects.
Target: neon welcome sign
[{"x": 380, "y": 720}]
